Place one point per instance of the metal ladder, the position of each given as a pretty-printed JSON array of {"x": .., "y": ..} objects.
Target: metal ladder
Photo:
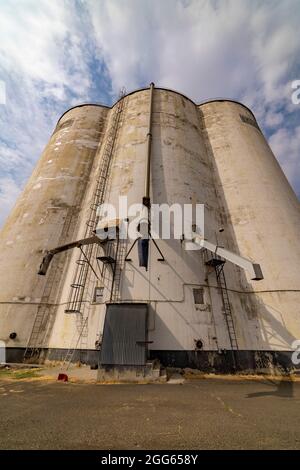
[
  {"x": 217, "y": 263},
  {"x": 121, "y": 248},
  {"x": 73, "y": 346},
  {"x": 114, "y": 257},
  {"x": 35, "y": 341},
  {"x": 78, "y": 286},
  {"x": 221, "y": 280},
  {"x": 79, "y": 281},
  {"x": 39, "y": 328}
]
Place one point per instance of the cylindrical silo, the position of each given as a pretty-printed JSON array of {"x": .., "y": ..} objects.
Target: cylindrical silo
[
  {"x": 262, "y": 221},
  {"x": 212, "y": 154},
  {"x": 45, "y": 216},
  {"x": 180, "y": 174}
]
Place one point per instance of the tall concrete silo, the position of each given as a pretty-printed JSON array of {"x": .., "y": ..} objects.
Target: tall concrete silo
[
  {"x": 46, "y": 214},
  {"x": 190, "y": 308},
  {"x": 262, "y": 215}
]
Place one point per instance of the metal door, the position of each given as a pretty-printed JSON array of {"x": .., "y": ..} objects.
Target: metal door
[{"x": 124, "y": 335}]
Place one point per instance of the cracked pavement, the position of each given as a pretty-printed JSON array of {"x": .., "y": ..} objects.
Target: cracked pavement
[{"x": 200, "y": 414}]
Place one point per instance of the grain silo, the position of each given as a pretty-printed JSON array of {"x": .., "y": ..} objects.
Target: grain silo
[{"x": 209, "y": 308}]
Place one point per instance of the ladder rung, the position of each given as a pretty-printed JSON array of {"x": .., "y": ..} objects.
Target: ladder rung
[
  {"x": 82, "y": 272},
  {"x": 106, "y": 259}
]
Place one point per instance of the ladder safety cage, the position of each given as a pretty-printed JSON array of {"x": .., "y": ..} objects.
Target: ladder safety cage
[
  {"x": 83, "y": 263},
  {"x": 78, "y": 286},
  {"x": 36, "y": 340}
]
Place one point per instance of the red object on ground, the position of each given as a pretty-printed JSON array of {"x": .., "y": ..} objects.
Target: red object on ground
[{"x": 63, "y": 377}]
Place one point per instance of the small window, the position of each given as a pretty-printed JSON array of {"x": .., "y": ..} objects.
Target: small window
[
  {"x": 98, "y": 295},
  {"x": 198, "y": 296}
]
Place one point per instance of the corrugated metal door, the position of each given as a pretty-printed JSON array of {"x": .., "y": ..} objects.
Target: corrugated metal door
[{"x": 124, "y": 335}]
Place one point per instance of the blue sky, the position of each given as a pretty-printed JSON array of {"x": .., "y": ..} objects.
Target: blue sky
[{"x": 55, "y": 54}]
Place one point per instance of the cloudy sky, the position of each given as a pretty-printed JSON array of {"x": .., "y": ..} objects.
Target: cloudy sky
[{"x": 55, "y": 54}]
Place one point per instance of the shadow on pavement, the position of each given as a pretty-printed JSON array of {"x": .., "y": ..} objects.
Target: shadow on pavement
[{"x": 284, "y": 389}]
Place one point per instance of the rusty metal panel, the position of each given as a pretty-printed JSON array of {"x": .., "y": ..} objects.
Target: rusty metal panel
[{"x": 124, "y": 335}]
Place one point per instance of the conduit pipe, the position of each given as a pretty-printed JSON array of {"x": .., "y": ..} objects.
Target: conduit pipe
[{"x": 146, "y": 198}]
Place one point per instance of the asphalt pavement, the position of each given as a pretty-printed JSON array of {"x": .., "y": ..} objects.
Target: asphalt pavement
[{"x": 199, "y": 414}]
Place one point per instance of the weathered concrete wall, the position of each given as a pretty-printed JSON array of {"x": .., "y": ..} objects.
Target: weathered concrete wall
[
  {"x": 180, "y": 173},
  {"x": 68, "y": 327},
  {"x": 207, "y": 155},
  {"x": 45, "y": 215},
  {"x": 261, "y": 221}
]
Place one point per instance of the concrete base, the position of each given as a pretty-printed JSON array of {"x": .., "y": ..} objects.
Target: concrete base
[
  {"x": 149, "y": 373},
  {"x": 251, "y": 362},
  {"x": 85, "y": 356},
  {"x": 247, "y": 362}
]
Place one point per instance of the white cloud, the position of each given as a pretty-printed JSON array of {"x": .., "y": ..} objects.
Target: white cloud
[
  {"x": 9, "y": 192},
  {"x": 52, "y": 54},
  {"x": 245, "y": 50},
  {"x": 285, "y": 145},
  {"x": 41, "y": 42},
  {"x": 203, "y": 48},
  {"x": 44, "y": 62}
]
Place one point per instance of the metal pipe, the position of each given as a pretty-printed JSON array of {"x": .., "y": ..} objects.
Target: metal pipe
[
  {"x": 146, "y": 198},
  {"x": 253, "y": 268},
  {"x": 59, "y": 249}
]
